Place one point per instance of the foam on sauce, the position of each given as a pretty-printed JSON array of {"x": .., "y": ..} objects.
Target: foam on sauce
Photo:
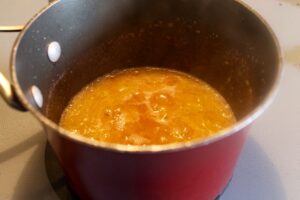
[{"x": 146, "y": 106}]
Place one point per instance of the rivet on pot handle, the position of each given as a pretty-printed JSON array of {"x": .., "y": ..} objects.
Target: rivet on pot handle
[{"x": 8, "y": 94}]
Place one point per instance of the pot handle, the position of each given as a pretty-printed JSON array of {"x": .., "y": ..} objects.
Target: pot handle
[
  {"x": 8, "y": 94},
  {"x": 16, "y": 28},
  {"x": 6, "y": 89}
]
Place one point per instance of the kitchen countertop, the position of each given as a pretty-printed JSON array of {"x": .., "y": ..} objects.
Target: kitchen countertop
[{"x": 269, "y": 167}]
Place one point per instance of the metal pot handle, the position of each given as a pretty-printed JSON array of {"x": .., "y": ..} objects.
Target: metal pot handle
[
  {"x": 6, "y": 89},
  {"x": 16, "y": 28},
  {"x": 8, "y": 94}
]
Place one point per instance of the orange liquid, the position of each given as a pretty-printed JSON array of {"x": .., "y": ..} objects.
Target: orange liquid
[{"x": 147, "y": 106}]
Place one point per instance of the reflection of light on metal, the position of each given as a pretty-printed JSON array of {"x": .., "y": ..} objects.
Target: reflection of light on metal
[
  {"x": 17, "y": 28},
  {"x": 5, "y": 89}
]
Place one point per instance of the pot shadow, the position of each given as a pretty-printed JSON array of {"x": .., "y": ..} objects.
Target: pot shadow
[
  {"x": 33, "y": 182},
  {"x": 255, "y": 176},
  {"x": 21, "y": 147}
]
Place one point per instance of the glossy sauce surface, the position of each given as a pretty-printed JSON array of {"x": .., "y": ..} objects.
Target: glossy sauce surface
[{"x": 147, "y": 106}]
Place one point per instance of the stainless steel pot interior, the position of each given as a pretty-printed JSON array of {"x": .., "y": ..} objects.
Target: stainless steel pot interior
[{"x": 221, "y": 42}]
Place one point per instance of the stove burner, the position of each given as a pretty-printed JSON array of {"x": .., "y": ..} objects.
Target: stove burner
[{"x": 58, "y": 180}]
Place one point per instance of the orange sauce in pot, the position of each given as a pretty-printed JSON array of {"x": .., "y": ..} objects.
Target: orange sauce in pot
[{"x": 147, "y": 106}]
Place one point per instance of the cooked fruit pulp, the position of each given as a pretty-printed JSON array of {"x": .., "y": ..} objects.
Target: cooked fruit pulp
[{"x": 147, "y": 106}]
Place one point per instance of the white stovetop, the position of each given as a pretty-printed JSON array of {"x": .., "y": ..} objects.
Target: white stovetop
[{"x": 269, "y": 168}]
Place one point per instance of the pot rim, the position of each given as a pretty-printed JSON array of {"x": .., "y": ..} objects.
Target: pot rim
[{"x": 149, "y": 149}]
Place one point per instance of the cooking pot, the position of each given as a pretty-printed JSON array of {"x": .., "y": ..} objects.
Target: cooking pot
[{"x": 71, "y": 43}]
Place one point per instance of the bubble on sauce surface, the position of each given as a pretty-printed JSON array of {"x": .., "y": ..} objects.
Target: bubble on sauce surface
[{"x": 136, "y": 139}]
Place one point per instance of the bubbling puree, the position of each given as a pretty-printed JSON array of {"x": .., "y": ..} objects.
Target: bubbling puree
[{"x": 147, "y": 106}]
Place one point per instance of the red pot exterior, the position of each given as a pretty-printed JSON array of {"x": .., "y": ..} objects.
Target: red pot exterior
[{"x": 196, "y": 173}]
